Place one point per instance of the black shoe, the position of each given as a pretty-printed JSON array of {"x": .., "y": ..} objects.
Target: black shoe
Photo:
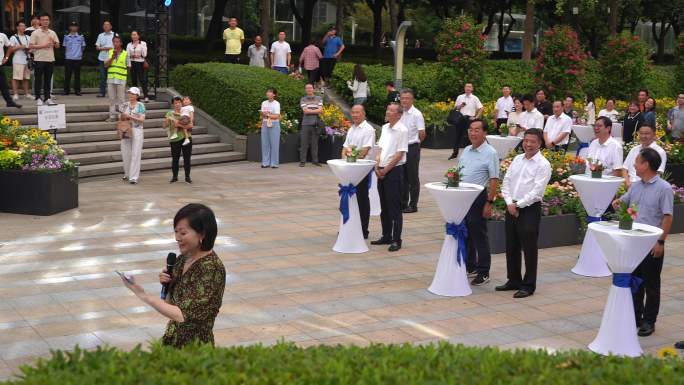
[
  {"x": 173, "y": 180},
  {"x": 522, "y": 294},
  {"x": 100, "y": 96},
  {"x": 262, "y": 166},
  {"x": 317, "y": 164},
  {"x": 507, "y": 287},
  {"x": 77, "y": 93},
  {"x": 381, "y": 241},
  {"x": 453, "y": 155},
  {"x": 472, "y": 273},
  {"x": 188, "y": 180},
  {"x": 274, "y": 166},
  {"x": 679, "y": 345},
  {"x": 395, "y": 246},
  {"x": 301, "y": 164},
  {"x": 646, "y": 329},
  {"x": 409, "y": 210},
  {"x": 365, "y": 236},
  {"x": 481, "y": 279},
  {"x": 13, "y": 104}
]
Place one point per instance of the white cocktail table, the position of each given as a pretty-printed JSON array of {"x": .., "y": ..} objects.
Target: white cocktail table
[
  {"x": 503, "y": 144},
  {"x": 585, "y": 134},
  {"x": 624, "y": 250},
  {"x": 596, "y": 195},
  {"x": 350, "y": 237},
  {"x": 451, "y": 278}
]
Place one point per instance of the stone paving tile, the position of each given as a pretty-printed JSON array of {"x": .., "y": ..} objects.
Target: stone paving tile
[{"x": 57, "y": 286}]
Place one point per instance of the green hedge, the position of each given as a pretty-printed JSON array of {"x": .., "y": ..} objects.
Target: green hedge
[
  {"x": 232, "y": 93},
  {"x": 377, "y": 364}
]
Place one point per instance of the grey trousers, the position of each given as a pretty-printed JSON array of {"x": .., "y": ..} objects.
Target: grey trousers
[{"x": 308, "y": 137}]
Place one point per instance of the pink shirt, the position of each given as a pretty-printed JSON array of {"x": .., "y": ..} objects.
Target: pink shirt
[{"x": 310, "y": 57}]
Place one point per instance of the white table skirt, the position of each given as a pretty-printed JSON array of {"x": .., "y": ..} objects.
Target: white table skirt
[
  {"x": 350, "y": 236},
  {"x": 585, "y": 134},
  {"x": 624, "y": 251},
  {"x": 596, "y": 195},
  {"x": 503, "y": 144},
  {"x": 451, "y": 278}
]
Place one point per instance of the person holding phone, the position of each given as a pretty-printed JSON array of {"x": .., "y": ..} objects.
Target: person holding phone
[{"x": 196, "y": 283}]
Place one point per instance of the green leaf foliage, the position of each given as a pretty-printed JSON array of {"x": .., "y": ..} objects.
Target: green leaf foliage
[
  {"x": 679, "y": 56},
  {"x": 233, "y": 93},
  {"x": 284, "y": 363},
  {"x": 623, "y": 66},
  {"x": 561, "y": 63}
]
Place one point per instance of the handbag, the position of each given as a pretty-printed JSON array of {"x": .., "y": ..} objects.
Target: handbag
[
  {"x": 124, "y": 126},
  {"x": 146, "y": 65}
]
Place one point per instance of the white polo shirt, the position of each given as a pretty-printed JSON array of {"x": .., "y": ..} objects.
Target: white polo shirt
[
  {"x": 504, "y": 106},
  {"x": 631, "y": 158},
  {"x": 472, "y": 104},
  {"x": 532, "y": 119},
  {"x": 392, "y": 140},
  {"x": 609, "y": 154},
  {"x": 414, "y": 122},
  {"x": 360, "y": 136},
  {"x": 556, "y": 125}
]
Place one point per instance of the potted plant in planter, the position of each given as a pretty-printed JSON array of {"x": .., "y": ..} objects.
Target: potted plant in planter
[
  {"x": 453, "y": 175},
  {"x": 503, "y": 129},
  {"x": 596, "y": 168},
  {"x": 352, "y": 154},
  {"x": 578, "y": 165},
  {"x": 626, "y": 216}
]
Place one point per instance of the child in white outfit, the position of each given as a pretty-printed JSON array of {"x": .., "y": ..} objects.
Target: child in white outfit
[{"x": 187, "y": 116}]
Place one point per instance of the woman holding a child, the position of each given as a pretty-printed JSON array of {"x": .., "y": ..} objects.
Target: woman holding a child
[{"x": 178, "y": 133}]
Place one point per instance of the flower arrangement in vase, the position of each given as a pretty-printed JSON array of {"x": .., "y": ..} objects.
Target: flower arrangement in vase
[
  {"x": 352, "y": 154},
  {"x": 453, "y": 175},
  {"x": 578, "y": 165},
  {"x": 503, "y": 129},
  {"x": 596, "y": 168},
  {"x": 626, "y": 216}
]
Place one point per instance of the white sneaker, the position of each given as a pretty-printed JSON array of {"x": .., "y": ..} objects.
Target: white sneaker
[
  {"x": 39, "y": 102},
  {"x": 29, "y": 96},
  {"x": 186, "y": 142},
  {"x": 51, "y": 102},
  {"x": 174, "y": 136},
  {"x": 15, "y": 97}
]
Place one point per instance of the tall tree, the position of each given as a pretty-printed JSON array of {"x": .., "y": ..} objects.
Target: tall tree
[
  {"x": 265, "y": 19},
  {"x": 504, "y": 30},
  {"x": 394, "y": 15},
  {"x": 528, "y": 36},
  {"x": 613, "y": 6},
  {"x": 662, "y": 15},
  {"x": 376, "y": 7},
  {"x": 304, "y": 19},
  {"x": 339, "y": 16},
  {"x": 214, "y": 30},
  {"x": 114, "y": 13},
  {"x": 95, "y": 20}
]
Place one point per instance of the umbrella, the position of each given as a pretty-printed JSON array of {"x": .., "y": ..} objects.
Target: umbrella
[{"x": 79, "y": 9}]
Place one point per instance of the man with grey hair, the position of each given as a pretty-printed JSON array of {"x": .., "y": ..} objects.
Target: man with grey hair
[
  {"x": 390, "y": 160},
  {"x": 412, "y": 118}
]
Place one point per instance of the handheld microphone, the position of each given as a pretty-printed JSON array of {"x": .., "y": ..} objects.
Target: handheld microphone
[{"x": 170, "y": 262}]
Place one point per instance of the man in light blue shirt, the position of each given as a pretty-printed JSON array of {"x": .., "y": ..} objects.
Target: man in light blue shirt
[
  {"x": 104, "y": 45},
  {"x": 74, "y": 44},
  {"x": 479, "y": 164}
]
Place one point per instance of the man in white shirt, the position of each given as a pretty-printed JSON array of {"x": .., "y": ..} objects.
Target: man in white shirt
[
  {"x": 557, "y": 129},
  {"x": 470, "y": 106},
  {"x": 103, "y": 45},
  {"x": 390, "y": 159},
  {"x": 647, "y": 137},
  {"x": 281, "y": 54},
  {"x": 523, "y": 190},
  {"x": 504, "y": 106},
  {"x": 4, "y": 88},
  {"x": 361, "y": 136},
  {"x": 412, "y": 118},
  {"x": 605, "y": 149},
  {"x": 531, "y": 118}
]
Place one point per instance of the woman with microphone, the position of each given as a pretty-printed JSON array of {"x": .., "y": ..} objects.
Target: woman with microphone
[{"x": 197, "y": 281}]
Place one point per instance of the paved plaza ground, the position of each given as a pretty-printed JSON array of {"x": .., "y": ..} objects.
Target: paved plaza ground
[{"x": 276, "y": 230}]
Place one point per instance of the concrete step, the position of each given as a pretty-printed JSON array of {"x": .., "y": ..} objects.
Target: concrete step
[
  {"x": 115, "y": 145},
  {"x": 32, "y": 120},
  {"x": 100, "y": 136},
  {"x": 29, "y": 107},
  {"x": 147, "y": 153},
  {"x": 102, "y": 126},
  {"x": 158, "y": 163}
]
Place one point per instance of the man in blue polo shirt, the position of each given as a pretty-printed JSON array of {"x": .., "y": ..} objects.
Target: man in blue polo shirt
[
  {"x": 480, "y": 165},
  {"x": 74, "y": 44},
  {"x": 103, "y": 45},
  {"x": 332, "y": 50}
]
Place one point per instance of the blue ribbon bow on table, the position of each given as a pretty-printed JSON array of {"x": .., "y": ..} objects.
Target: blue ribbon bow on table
[
  {"x": 346, "y": 193},
  {"x": 591, "y": 219},
  {"x": 370, "y": 179},
  {"x": 581, "y": 146},
  {"x": 627, "y": 280},
  {"x": 460, "y": 234}
]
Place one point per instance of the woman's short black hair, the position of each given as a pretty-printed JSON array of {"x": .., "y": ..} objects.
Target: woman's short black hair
[
  {"x": 651, "y": 156},
  {"x": 202, "y": 220},
  {"x": 176, "y": 99},
  {"x": 528, "y": 98}
]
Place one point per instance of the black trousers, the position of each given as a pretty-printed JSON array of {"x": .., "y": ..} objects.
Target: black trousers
[
  {"x": 313, "y": 75},
  {"x": 234, "y": 59},
  {"x": 521, "y": 235},
  {"x": 461, "y": 133},
  {"x": 649, "y": 270},
  {"x": 308, "y": 137},
  {"x": 479, "y": 255},
  {"x": 4, "y": 87},
  {"x": 389, "y": 189},
  {"x": 410, "y": 189},
  {"x": 43, "y": 75},
  {"x": 176, "y": 149},
  {"x": 364, "y": 204},
  {"x": 72, "y": 67},
  {"x": 139, "y": 76},
  {"x": 327, "y": 66}
]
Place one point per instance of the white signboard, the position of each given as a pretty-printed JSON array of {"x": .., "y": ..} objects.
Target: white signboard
[{"x": 51, "y": 117}]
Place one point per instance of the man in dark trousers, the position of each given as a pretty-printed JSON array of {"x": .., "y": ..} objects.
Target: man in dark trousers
[
  {"x": 654, "y": 199},
  {"x": 413, "y": 119}
]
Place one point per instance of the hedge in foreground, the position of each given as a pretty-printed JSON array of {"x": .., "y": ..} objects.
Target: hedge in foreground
[
  {"x": 232, "y": 93},
  {"x": 377, "y": 364}
]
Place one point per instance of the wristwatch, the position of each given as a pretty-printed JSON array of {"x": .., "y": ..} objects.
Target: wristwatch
[{"x": 661, "y": 242}]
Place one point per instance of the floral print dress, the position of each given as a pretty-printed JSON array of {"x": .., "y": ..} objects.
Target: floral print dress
[{"x": 199, "y": 294}]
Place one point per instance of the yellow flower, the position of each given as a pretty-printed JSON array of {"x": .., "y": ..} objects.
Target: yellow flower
[
  {"x": 667, "y": 353},
  {"x": 15, "y": 123},
  {"x": 5, "y": 120}
]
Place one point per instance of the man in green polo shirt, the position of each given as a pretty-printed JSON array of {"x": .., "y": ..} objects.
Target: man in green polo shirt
[{"x": 234, "y": 38}]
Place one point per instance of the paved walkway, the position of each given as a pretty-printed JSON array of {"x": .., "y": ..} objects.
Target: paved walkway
[{"x": 277, "y": 227}]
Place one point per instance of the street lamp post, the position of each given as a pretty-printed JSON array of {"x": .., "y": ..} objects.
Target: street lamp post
[{"x": 398, "y": 46}]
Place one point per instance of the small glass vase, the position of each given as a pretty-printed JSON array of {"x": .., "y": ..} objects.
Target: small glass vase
[
  {"x": 625, "y": 224},
  {"x": 351, "y": 159},
  {"x": 598, "y": 174},
  {"x": 452, "y": 182}
]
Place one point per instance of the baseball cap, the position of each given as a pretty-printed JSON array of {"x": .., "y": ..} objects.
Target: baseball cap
[{"x": 134, "y": 90}]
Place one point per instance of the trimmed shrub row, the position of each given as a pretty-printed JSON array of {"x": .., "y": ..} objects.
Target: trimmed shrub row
[
  {"x": 339, "y": 365},
  {"x": 233, "y": 93}
]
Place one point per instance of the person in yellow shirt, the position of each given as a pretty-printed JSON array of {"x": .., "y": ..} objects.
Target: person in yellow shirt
[{"x": 234, "y": 37}]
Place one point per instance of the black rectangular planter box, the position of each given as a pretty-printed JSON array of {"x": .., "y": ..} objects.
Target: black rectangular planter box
[
  {"x": 676, "y": 172},
  {"x": 329, "y": 147},
  {"x": 439, "y": 139},
  {"x": 38, "y": 193},
  {"x": 677, "y": 219},
  {"x": 554, "y": 231}
]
